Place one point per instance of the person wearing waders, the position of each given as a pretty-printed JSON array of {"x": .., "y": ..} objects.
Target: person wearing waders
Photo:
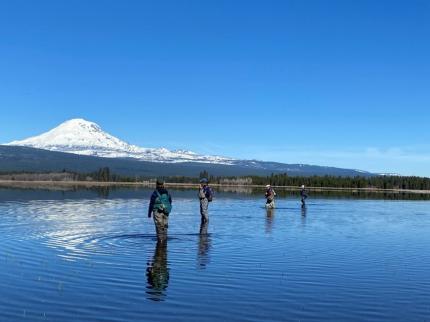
[
  {"x": 205, "y": 196},
  {"x": 303, "y": 195},
  {"x": 270, "y": 197},
  {"x": 160, "y": 207}
]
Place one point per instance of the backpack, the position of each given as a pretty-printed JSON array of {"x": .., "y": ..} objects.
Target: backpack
[
  {"x": 209, "y": 194},
  {"x": 162, "y": 203}
]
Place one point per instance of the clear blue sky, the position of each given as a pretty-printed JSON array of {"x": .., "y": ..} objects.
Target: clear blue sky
[{"x": 341, "y": 83}]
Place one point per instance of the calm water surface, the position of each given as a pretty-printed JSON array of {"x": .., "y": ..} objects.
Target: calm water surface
[{"x": 80, "y": 256}]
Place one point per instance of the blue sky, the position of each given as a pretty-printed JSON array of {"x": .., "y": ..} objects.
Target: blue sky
[{"x": 340, "y": 83}]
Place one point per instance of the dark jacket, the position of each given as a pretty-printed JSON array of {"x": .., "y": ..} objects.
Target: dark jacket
[
  {"x": 303, "y": 193},
  {"x": 155, "y": 196}
]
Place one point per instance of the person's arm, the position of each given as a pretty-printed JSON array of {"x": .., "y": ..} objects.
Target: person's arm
[{"x": 151, "y": 204}]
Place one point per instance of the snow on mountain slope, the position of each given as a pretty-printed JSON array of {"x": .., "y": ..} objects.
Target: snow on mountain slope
[{"x": 79, "y": 136}]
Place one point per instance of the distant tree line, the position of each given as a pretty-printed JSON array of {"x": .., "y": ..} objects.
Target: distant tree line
[
  {"x": 283, "y": 179},
  {"x": 379, "y": 182},
  {"x": 376, "y": 182},
  {"x": 105, "y": 175}
]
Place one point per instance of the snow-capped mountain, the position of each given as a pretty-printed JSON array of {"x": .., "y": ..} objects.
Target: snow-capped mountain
[
  {"x": 80, "y": 145},
  {"x": 82, "y": 137}
]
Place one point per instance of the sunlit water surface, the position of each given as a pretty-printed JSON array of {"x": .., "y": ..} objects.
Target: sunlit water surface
[{"x": 77, "y": 257}]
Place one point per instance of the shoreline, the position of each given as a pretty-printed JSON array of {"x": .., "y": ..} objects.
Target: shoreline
[{"x": 90, "y": 184}]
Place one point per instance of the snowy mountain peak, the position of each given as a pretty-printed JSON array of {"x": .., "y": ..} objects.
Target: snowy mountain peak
[
  {"x": 83, "y": 137},
  {"x": 72, "y": 136},
  {"x": 80, "y": 123}
]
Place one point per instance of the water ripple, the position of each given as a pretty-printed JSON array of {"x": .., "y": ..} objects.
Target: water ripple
[{"x": 99, "y": 259}]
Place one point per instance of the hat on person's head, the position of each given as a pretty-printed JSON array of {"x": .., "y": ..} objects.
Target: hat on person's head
[
  {"x": 303, "y": 186},
  {"x": 203, "y": 180},
  {"x": 160, "y": 182},
  {"x": 267, "y": 185}
]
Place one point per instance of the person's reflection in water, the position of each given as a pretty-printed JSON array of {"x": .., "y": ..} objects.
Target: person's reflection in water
[
  {"x": 269, "y": 219},
  {"x": 157, "y": 273},
  {"x": 304, "y": 209},
  {"x": 204, "y": 245}
]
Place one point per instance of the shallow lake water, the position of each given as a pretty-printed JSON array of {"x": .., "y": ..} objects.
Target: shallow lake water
[{"x": 93, "y": 256}]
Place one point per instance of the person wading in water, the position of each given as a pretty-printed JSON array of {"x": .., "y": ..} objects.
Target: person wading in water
[
  {"x": 160, "y": 207},
  {"x": 270, "y": 197},
  {"x": 303, "y": 195},
  {"x": 205, "y": 196}
]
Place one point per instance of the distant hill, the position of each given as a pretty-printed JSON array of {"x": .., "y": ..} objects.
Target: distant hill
[{"x": 17, "y": 158}]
